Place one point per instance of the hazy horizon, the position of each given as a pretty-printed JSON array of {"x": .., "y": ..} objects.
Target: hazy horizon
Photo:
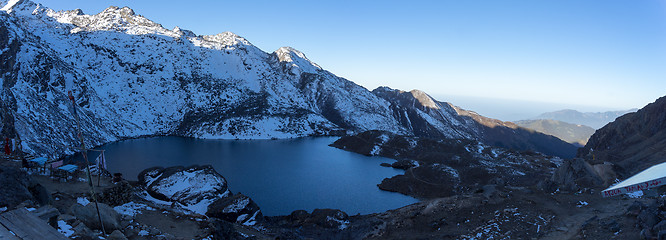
[{"x": 515, "y": 110}]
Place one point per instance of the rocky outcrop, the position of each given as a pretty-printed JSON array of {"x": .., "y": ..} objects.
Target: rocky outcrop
[
  {"x": 633, "y": 142},
  {"x": 650, "y": 218},
  {"x": 441, "y": 168},
  {"x": 576, "y": 174},
  {"x": 622, "y": 148},
  {"x": 237, "y": 208},
  {"x": 88, "y": 215},
  {"x": 18, "y": 187},
  {"x": 193, "y": 188}
]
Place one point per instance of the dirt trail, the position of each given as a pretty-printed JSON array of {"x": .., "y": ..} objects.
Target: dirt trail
[{"x": 572, "y": 214}]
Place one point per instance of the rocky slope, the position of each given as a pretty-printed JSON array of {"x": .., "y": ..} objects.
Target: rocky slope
[
  {"x": 426, "y": 117},
  {"x": 595, "y": 120},
  {"x": 473, "y": 191},
  {"x": 571, "y": 133},
  {"x": 443, "y": 168},
  {"x": 632, "y": 142},
  {"x": 131, "y": 77}
]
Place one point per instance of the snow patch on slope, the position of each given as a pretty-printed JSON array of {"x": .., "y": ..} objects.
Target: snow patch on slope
[{"x": 8, "y": 5}]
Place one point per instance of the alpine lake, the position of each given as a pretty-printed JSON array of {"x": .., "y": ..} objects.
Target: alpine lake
[{"x": 279, "y": 175}]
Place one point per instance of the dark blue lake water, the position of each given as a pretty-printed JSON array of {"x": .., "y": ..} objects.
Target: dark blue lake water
[{"x": 280, "y": 175}]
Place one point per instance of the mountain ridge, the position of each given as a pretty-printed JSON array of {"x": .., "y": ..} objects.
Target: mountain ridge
[
  {"x": 595, "y": 120},
  {"x": 132, "y": 77},
  {"x": 633, "y": 142},
  {"x": 571, "y": 133},
  {"x": 426, "y": 117}
]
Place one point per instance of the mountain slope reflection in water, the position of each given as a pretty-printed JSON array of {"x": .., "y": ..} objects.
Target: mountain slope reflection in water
[{"x": 280, "y": 175}]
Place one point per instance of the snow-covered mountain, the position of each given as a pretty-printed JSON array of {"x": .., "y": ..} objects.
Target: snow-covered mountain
[{"x": 132, "y": 77}]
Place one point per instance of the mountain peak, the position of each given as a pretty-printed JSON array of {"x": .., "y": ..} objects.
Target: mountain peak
[
  {"x": 183, "y": 32},
  {"x": 423, "y": 98},
  {"x": 295, "y": 61},
  {"x": 112, "y": 18},
  {"x": 227, "y": 39},
  {"x": 287, "y": 54},
  {"x": 414, "y": 95},
  {"x": 11, "y": 5},
  {"x": 125, "y": 11}
]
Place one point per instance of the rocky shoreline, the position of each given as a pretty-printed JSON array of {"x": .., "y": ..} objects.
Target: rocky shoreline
[
  {"x": 474, "y": 191},
  {"x": 166, "y": 203},
  {"x": 517, "y": 197}
]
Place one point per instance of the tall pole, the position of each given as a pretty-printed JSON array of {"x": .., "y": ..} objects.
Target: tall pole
[
  {"x": 99, "y": 168},
  {"x": 85, "y": 158}
]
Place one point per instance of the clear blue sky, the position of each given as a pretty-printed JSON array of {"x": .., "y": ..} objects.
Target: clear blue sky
[{"x": 610, "y": 53}]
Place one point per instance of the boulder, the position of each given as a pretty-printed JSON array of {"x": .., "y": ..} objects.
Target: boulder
[
  {"x": 15, "y": 187},
  {"x": 116, "y": 235},
  {"x": 88, "y": 215},
  {"x": 41, "y": 195},
  {"x": 575, "y": 174},
  {"x": 634, "y": 209},
  {"x": 194, "y": 187},
  {"x": 299, "y": 216},
  {"x": 403, "y": 164},
  {"x": 81, "y": 231},
  {"x": 237, "y": 208}
]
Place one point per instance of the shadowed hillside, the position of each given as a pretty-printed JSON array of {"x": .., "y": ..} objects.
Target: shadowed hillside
[{"x": 571, "y": 133}]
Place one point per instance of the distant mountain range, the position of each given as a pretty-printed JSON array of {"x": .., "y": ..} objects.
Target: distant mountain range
[
  {"x": 571, "y": 133},
  {"x": 570, "y": 125},
  {"x": 595, "y": 120},
  {"x": 131, "y": 77}
]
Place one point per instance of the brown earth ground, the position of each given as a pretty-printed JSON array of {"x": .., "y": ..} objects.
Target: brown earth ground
[{"x": 517, "y": 214}]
